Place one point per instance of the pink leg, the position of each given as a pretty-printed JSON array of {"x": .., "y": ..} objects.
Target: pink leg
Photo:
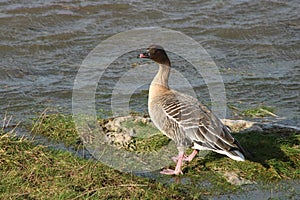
[
  {"x": 178, "y": 166},
  {"x": 175, "y": 158},
  {"x": 187, "y": 158},
  {"x": 191, "y": 156}
]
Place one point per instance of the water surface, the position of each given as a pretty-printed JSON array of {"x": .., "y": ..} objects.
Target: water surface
[{"x": 256, "y": 45}]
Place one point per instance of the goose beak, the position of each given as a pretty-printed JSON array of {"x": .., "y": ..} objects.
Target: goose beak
[{"x": 144, "y": 55}]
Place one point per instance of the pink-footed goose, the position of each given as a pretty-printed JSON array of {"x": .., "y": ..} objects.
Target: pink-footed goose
[{"x": 185, "y": 120}]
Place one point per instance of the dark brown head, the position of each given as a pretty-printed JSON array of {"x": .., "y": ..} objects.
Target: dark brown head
[{"x": 157, "y": 54}]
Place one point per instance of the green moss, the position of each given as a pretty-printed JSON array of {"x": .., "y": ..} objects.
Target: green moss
[
  {"x": 276, "y": 156},
  {"x": 262, "y": 111},
  {"x": 153, "y": 143},
  {"x": 142, "y": 129},
  {"x": 147, "y": 137}
]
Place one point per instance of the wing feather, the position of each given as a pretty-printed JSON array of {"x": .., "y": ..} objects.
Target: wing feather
[{"x": 196, "y": 124}]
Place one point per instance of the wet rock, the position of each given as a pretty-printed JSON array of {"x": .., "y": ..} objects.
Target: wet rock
[
  {"x": 144, "y": 120},
  {"x": 242, "y": 125},
  {"x": 132, "y": 132},
  {"x": 247, "y": 126},
  {"x": 118, "y": 135},
  {"x": 235, "y": 179}
]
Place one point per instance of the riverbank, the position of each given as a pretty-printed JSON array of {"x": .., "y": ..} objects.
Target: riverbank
[{"x": 42, "y": 172}]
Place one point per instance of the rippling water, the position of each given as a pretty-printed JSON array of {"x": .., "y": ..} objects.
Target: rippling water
[{"x": 256, "y": 45}]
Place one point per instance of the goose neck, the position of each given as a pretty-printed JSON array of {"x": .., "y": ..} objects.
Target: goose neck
[{"x": 162, "y": 76}]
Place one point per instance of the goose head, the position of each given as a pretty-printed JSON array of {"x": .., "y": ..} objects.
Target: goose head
[{"x": 157, "y": 54}]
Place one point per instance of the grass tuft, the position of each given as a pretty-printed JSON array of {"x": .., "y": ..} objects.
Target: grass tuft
[{"x": 58, "y": 128}]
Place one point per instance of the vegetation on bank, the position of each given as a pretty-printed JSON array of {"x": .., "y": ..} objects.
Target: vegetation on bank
[
  {"x": 32, "y": 171},
  {"x": 256, "y": 112}
]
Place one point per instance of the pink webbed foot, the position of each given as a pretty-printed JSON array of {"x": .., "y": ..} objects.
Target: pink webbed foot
[
  {"x": 177, "y": 170},
  {"x": 171, "y": 172}
]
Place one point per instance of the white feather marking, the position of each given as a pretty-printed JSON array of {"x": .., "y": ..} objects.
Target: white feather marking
[{"x": 237, "y": 158}]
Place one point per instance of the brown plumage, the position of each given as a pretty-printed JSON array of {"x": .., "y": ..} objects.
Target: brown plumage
[{"x": 185, "y": 120}]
